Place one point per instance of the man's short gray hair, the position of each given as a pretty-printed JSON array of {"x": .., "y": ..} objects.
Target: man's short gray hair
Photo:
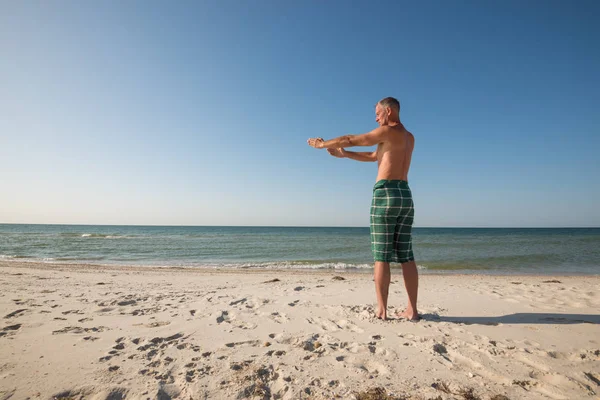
[{"x": 390, "y": 102}]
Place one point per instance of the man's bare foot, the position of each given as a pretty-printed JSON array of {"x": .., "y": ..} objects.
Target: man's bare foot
[
  {"x": 409, "y": 315},
  {"x": 381, "y": 314}
]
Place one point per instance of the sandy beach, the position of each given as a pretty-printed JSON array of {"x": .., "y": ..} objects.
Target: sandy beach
[{"x": 98, "y": 332}]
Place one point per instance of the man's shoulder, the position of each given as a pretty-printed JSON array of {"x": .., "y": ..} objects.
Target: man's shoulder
[{"x": 395, "y": 130}]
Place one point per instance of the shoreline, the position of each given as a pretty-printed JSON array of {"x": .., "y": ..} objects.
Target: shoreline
[
  {"x": 255, "y": 270},
  {"x": 85, "y": 331}
]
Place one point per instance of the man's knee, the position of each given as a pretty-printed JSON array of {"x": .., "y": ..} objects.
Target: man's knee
[
  {"x": 381, "y": 267},
  {"x": 383, "y": 264}
]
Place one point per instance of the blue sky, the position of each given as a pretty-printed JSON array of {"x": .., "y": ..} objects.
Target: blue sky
[{"x": 197, "y": 113}]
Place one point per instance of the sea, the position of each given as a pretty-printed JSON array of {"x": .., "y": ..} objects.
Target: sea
[{"x": 538, "y": 251}]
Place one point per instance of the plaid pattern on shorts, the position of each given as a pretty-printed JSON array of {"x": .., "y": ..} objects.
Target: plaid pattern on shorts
[{"x": 392, "y": 213}]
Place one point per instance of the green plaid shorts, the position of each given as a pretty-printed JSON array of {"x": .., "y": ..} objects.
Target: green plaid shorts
[{"x": 392, "y": 214}]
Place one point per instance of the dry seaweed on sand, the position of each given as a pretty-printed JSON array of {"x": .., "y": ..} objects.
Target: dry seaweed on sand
[{"x": 376, "y": 393}]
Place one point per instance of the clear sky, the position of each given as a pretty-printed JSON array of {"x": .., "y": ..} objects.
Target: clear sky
[{"x": 197, "y": 112}]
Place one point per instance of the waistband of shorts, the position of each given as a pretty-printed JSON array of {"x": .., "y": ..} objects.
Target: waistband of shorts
[{"x": 390, "y": 183}]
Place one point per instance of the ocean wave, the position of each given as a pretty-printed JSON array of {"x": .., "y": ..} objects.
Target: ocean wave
[
  {"x": 13, "y": 257},
  {"x": 340, "y": 266},
  {"x": 26, "y": 259},
  {"x": 451, "y": 267},
  {"x": 292, "y": 265},
  {"x": 94, "y": 235},
  {"x": 83, "y": 260},
  {"x": 104, "y": 236},
  {"x": 305, "y": 265}
]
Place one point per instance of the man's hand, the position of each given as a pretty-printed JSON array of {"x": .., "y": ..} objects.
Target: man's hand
[
  {"x": 317, "y": 143},
  {"x": 339, "y": 153}
]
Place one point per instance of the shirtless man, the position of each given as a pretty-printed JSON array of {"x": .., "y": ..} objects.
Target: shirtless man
[{"x": 392, "y": 209}]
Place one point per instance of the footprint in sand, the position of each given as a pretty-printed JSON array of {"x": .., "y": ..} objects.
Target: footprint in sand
[
  {"x": 455, "y": 359},
  {"x": 330, "y": 325},
  {"x": 349, "y": 326},
  {"x": 258, "y": 379},
  {"x": 362, "y": 312},
  {"x": 530, "y": 361},
  {"x": 358, "y": 348},
  {"x": 373, "y": 368},
  {"x": 323, "y": 324},
  {"x": 237, "y": 366},
  {"x": 16, "y": 313},
  {"x": 279, "y": 337},
  {"x": 192, "y": 375},
  {"x": 10, "y": 330},
  {"x": 280, "y": 318},
  {"x": 154, "y": 347},
  {"x": 550, "y": 380},
  {"x": 245, "y": 325}
]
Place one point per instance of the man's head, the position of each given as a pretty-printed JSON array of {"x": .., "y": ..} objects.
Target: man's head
[{"x": 387, "y": 110}]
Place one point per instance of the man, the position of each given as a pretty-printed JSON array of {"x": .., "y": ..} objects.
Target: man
[{"x": 392, "y": 206}]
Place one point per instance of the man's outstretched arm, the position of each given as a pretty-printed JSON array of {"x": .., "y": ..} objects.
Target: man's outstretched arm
[
  {"x": 374, "y": 137},
  {"x": 365, "y": 156}
]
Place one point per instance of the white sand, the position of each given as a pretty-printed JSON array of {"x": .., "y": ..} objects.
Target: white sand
[{"x": 137, "y": 333}]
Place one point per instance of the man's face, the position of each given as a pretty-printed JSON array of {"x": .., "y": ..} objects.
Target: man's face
[{"x": 381, "y": 115}]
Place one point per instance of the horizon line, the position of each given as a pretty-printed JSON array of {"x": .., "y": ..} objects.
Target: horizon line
[{"x": 302, "y": 226}]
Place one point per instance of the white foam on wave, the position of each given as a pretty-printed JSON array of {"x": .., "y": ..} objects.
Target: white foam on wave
[
  {"x": 301, "y": 265},
  {"x": 102, "y": 236},
  {"x": 291, "y": 265},
  {"x": 26, "y": 259}
]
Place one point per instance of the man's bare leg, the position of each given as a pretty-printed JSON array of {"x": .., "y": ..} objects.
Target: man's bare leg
[
  {"x": 411, "y": 282},
  {"x": 382, "y": 287}
]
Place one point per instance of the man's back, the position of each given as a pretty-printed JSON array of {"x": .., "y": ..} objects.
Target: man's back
[{"x": 395, "y": 153}]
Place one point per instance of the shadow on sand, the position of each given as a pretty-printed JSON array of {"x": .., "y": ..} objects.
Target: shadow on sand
[{"x": 519, "y": 318}]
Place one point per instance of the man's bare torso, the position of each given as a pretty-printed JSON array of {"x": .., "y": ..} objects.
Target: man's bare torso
[{"x": 395, "y": 153}]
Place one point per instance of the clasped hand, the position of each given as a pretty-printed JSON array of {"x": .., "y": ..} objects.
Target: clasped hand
[{"x": 317, "y": 143}]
